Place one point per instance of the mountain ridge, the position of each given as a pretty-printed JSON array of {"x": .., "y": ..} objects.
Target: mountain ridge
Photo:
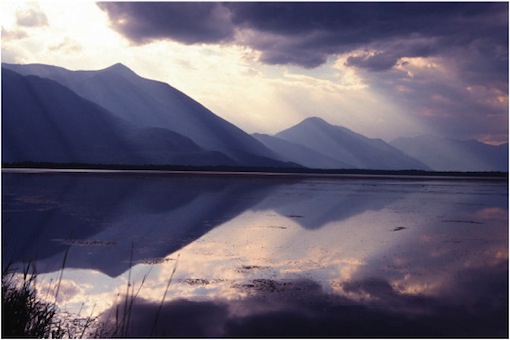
[
  {"x": 349, "y": 147},
  {"x": 150, "y": 103},
  {"x": 447, "y": 154},
  {"x": 156, "y": 123},
  {"x": 44, "y": 121},
  {"x": 301, "y": 154}
]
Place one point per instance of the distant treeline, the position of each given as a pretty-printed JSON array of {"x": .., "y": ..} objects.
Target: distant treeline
[{"x": 290, "y": 170}]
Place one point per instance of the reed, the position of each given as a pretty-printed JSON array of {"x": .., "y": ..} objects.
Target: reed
[
  {"x": 155, "y": 325},
  {"x": 23, "y": 313}
]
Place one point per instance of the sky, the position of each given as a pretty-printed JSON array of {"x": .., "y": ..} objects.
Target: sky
[{"x": 385, "y": 70}]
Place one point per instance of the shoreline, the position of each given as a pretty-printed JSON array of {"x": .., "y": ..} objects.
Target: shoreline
[{"x": 269, "y": 172}]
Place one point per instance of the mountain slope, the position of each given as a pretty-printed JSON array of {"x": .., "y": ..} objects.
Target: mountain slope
[
  {"x": 348, "y": 147},
  {"x": 444, "y": 154},
  {"x": 300, "y": 154},
  {"x": 43, "y": 121},
  {"x": 149, "y": 103}
]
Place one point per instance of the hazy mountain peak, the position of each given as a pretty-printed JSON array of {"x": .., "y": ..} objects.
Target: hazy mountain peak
[
  {"x": 348, "y": 147},
  {"x": 315, "y": 120},
  {"x": 325, "y": 126},
  {"x": 119, "y": 68}
]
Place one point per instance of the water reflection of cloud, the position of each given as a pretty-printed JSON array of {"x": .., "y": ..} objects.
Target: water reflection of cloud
[
  {"x": 303, "y": 309},
  {"x": 430, "y": 250},
  {"x": 412, "y": 261},
  {"x": 219, "y": 265},
  {"x": 81, "y": 292}
]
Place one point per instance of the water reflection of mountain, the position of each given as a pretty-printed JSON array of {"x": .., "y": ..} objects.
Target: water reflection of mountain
[
  {"x": 314, "y": 203},
  {"x": 427, "y": 259},
  {"x": 101, "y": 215}
]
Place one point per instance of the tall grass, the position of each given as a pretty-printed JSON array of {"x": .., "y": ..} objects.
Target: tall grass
[
  {"x": 155, "y": 325},
  {"x": 124, "y": 309},
  {"x": 26, "y": 315},
  {"x": 23, "y": 313}
]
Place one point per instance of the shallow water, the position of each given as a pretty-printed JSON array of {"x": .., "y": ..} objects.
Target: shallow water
[{"x": 267, "y": 255}]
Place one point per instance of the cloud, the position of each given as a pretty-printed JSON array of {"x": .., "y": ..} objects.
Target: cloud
[
  {"x": 444, "y": 93},
  {"x": 13, "y": 34},
  {"x": 188, "y": 23},
  {"x": 25, "y": 19},
  {"x": 67, "y": 44},
  {"x": 31, "y": 18},
  {"x": 378, "y": 61},
  {"x": 305, "y": 34}
]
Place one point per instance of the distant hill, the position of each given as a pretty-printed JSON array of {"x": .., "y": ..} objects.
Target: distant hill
[
  {"x": 153, "y": 104},
  {"x": 300, "y": 154},
  {"x": 445, "y": 154},
  {"x": 348, "y": 147},
  {"x": 43, "y": 121}
]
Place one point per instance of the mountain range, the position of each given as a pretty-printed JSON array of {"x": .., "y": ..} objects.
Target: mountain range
[
  {"x": 343, "y": 146},
  {"x": 114, "y": 116},
  {"x": 446, "y": 154}
]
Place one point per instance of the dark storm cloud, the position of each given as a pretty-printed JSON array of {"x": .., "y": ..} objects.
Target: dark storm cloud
[
  {"x": 375, "y": 62},
  {"x": 402, "y": 29},
  {"x": 306, "y": 34},
  {"x": 189, "y": 22}
]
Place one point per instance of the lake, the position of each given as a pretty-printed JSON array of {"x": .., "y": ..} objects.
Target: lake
[{"x": 219, "y": 255}]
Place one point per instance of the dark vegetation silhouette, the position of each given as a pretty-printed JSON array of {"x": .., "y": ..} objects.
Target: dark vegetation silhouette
[
  {"x": 24, "y": 314},
  {"x": 232, "y": 169}
]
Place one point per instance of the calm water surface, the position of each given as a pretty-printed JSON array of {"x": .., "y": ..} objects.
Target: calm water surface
[{"x": 266, "y": 255}]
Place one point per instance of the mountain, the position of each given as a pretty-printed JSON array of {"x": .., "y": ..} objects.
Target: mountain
[
  {"x": 348, "y": 147},
  {"x": 445, "y": 154},
  {"x": 297, "y": 153},
  {"x": 114, "y": 116},
  {"x": 152, "y": 104},
  {"x": 43, "y": 121}
]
